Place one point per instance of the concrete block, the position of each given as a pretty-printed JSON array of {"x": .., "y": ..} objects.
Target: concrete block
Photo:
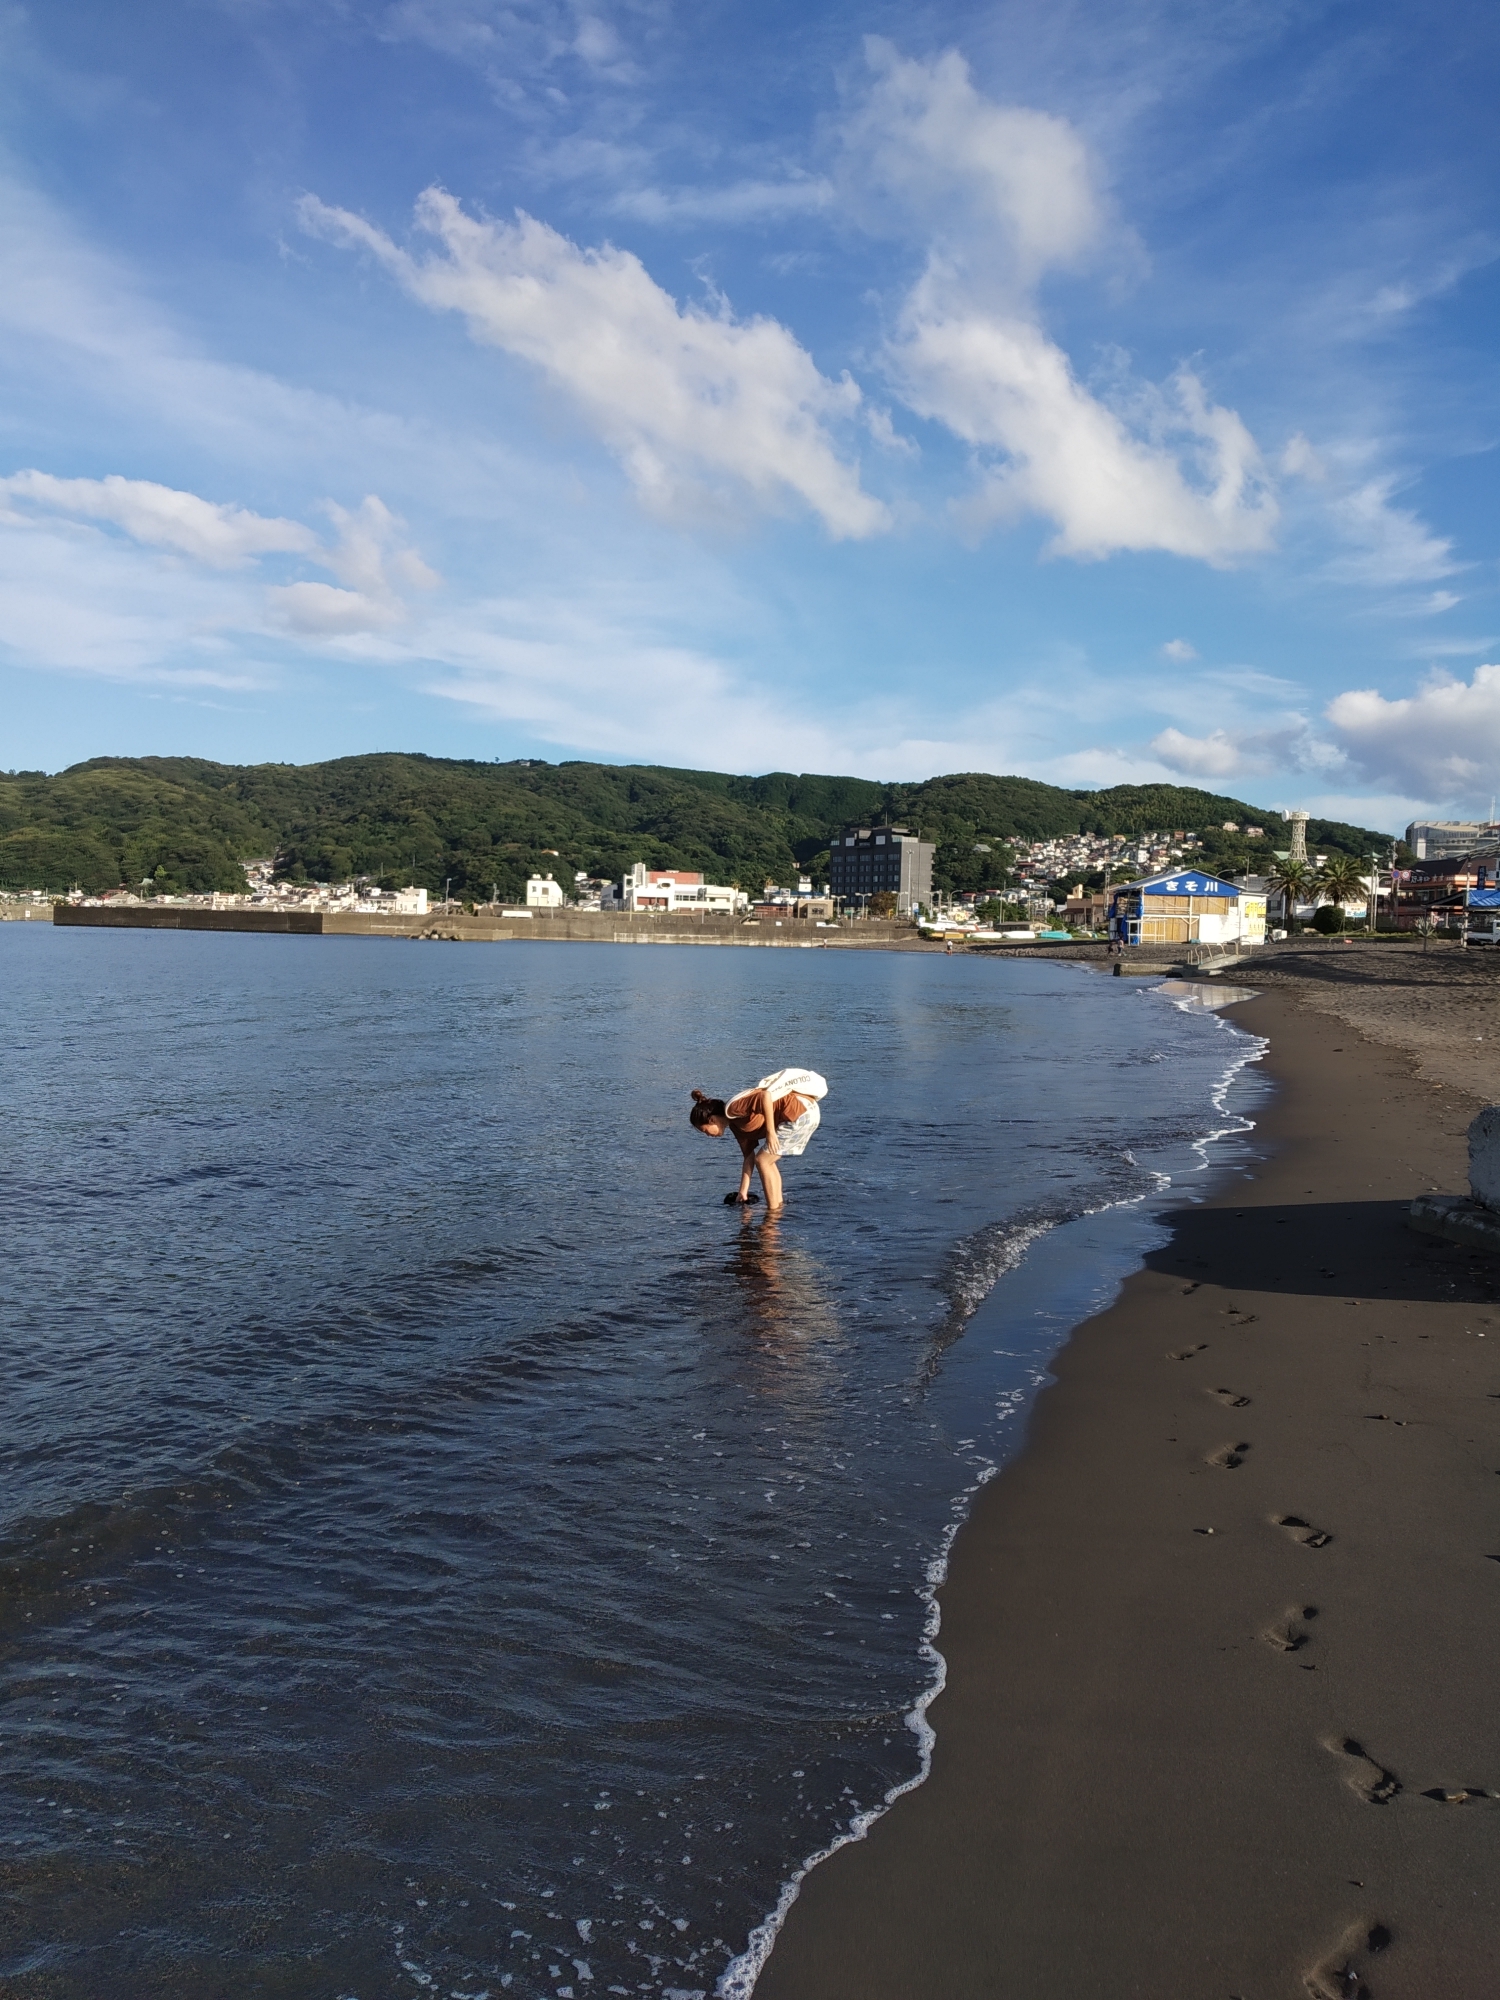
[
  {"x": 1484, "y": 1157},
  {"x": 1458, "y": 1219}
]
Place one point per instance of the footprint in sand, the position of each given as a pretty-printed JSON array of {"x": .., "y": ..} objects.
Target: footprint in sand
[
  {"x": 1303, "y": 1531},
  {"x": 1341, "y": 1975},
  {"x": 1375, "y": 1784},
  {"x": 1289, "y": 1634},
  {"x": 1228, "y": 1456},
  {"x": 1231, "y": 1398},
  {"x": 1187, "y": 1353}
]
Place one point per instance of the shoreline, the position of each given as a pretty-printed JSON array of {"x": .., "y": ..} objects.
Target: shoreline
[
  {"x": 740, "y": 1978},
  {"x": 1142, "y": 1782}
]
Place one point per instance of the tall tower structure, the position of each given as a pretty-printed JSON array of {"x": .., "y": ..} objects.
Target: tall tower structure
[{"x": 1297, "y": 821}]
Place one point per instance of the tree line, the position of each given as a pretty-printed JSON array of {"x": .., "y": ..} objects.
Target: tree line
[{"x": 185, "y": 824}]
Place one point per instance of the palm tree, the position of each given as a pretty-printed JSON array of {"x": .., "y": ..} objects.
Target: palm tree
[
  {"x": 1291, "y": 881},
  {"x": 1339, "y": 879}
]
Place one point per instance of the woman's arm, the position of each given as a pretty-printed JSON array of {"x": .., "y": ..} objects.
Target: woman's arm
[
  {"x": 768, "y": 1112},
  {"x": 747, "y": 1158}
]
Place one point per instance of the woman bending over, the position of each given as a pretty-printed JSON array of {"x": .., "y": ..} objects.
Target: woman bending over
[{"x": 775, "y": 1118}]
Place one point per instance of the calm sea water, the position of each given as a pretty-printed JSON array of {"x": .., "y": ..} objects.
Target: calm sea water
[{"x": 444, "y": 1550}]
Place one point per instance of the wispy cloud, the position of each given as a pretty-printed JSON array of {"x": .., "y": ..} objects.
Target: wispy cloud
[
  {"x": 372, "y": 562},
  {"x": 700, "y": 407},
  {"x": 739, "y": 202},
  {"x": 212, "y": 532},
  {"x": 1001, "y": 195},
  {"x": 369, "y": 555},
  {"x": 1389, "y": 545}
]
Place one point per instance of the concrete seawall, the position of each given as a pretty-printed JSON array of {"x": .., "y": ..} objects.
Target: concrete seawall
[
  {"x": 180, "y": 917},
  {"x": 484, "y": 927}
]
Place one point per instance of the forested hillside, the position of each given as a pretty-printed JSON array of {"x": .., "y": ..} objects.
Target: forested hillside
[{"x": 187, "y": 824}]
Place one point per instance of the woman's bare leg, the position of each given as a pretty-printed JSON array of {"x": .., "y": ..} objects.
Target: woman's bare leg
[{"x": 770, "y": 1179}]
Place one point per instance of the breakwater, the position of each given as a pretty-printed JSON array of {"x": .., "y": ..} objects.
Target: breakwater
[
  {"x": 185, "y": 917},
  {"x": 491, "y": 927}
]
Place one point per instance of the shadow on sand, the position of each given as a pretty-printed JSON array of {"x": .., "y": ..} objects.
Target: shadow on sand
[{"x": 1332, "y": 1250}]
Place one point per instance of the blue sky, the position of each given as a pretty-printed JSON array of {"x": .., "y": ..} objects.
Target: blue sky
[{"x": 1103, "y": 392}]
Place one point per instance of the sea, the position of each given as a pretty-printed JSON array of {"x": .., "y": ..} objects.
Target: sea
[{"x": 444, "y": 1550}]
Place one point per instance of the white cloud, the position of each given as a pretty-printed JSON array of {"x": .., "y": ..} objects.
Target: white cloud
[
  {"x": 1300, "y": 461},
  {"x": 371, "y": 561},
  {"x": 1212, "y": 756},
  {"x": 1391, "y": 544},
  {"x": 998, "y": 196},
  {"x": 1442, "y": 742},
  {"x": 1016, "y": 183},
  {"x": 321, "y": 610},
  {"x": 740, "y": 202},
  {"x": 1272, "y": 746},
  {"x": 208, "y": 531},
  {"x": 686, "y": 398},
  {"x": 514, "y": 44},
  {"x": 76, "y": 600},
  {"x": 1002, "y": 384},
  {"x": 1179, "y": 649},
  {"x": 368, "y": 555}
]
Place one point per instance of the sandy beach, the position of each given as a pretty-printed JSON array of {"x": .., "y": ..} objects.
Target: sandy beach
[{"x": 1219, "y": 1721}]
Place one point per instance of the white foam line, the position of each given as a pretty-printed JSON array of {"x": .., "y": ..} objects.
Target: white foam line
[
  {"x": 738, "y": 1979},
  {"x": 737, "y": 1982},
  {"x": 1255, "y": 1051}
]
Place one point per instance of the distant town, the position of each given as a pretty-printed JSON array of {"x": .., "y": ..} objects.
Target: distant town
[{"x": 1149, "y": 888}]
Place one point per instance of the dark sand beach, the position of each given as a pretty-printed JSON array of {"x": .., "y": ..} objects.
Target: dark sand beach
[{"x": 1223, "y": 1643}]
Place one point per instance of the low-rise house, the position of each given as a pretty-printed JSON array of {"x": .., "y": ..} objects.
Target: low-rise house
[
  {"x": 543, "y": 893},
  {"x": 1086, "y": 909},
  {"x": 669, "y": 889}
]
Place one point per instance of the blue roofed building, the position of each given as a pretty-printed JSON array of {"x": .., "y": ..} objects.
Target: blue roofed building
[{"x": 1186, "y": 906}]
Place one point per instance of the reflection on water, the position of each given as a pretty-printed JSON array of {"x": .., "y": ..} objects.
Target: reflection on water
[
  {"x": 789, "y": 1307},
  {"x": 1209, "y": 994}
]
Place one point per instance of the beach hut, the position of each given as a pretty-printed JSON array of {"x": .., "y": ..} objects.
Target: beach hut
[{"x": 1185, "y": 907}]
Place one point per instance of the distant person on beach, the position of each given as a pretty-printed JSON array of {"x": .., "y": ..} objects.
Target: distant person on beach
[{"x": 775, "y": 1118}]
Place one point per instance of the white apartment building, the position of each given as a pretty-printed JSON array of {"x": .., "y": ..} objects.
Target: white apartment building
[
  {"x": 669, "y": 889},
  {"x": 542, "y": 893}
]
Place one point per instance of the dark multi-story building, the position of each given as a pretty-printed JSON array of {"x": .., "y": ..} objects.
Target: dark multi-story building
[{"x": 865, "y": 859}]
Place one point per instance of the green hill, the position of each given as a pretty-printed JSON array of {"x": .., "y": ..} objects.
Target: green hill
[{"x": 187, "y": 824}]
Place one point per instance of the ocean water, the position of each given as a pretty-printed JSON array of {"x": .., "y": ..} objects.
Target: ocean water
[{"x": 445, "y": 1551}]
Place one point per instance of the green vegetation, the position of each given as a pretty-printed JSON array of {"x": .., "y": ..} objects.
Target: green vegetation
[{"x": 186, "y": 824}]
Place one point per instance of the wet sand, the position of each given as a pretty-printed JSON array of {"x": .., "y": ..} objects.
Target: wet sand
[{"x": 1260, "y": 1762}]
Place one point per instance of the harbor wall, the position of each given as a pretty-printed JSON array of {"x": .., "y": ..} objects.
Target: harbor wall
[
  {"x": 489, "y": 927},
  {"x": 184, "y": 917}
]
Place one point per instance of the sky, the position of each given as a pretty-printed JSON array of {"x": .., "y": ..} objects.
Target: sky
[{"x": 1103, "y": 392}]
